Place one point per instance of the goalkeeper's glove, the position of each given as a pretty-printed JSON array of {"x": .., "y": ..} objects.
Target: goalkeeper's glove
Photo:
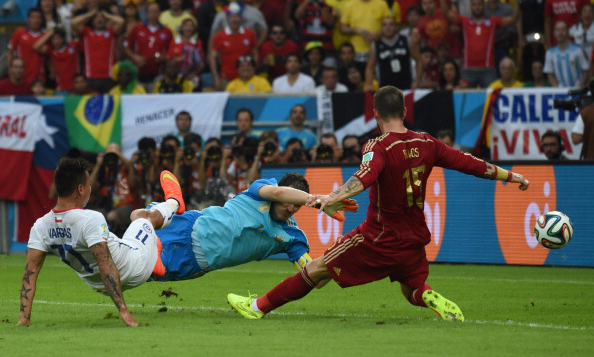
[{"x": 335, "y": 210}]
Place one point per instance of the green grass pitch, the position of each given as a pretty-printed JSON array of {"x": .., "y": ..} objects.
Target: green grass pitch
[{"x": 510, "y": 311}]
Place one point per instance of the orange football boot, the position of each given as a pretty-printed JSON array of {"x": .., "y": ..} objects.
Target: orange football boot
[{"x": 172, "y": 189}]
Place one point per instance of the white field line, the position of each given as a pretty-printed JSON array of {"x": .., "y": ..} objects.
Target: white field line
[
  {"x": 431, "y": 277},
  {"x": 229, "y": 309}
]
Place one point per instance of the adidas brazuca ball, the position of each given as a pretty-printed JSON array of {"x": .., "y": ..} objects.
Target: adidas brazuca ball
[{"x": 553, "y": 230}]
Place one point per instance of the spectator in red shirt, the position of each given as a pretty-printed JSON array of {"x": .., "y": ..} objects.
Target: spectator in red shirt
[
  {"x": 147, "y": 45},
  {"x": 21, "y": 45},
  {"x": 63, "y": 56},
  {"x": 99, "y": 45},
  {"x": 567, "y": 11},
  {"x": 435, "y": 29},
  {"x": 479, "y": 36},
  {"x": 15, "y": 84},
  {"x": 273, "y": 52},
  {"x": 187, "y": 52},
  {"x": 228, "y": 45}
]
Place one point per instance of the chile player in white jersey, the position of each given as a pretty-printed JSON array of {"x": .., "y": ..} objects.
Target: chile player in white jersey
[{"x": 81, "y": 239}]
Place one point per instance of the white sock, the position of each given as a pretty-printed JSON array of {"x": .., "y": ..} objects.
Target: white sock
[
  {"x": 173, "y": 202},
  {"x": 167, "y": 210},
  {"x": 255, "y": 306}
]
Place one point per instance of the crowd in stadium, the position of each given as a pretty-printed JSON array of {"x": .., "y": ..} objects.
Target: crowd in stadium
[{"x": 167, "y": 46}]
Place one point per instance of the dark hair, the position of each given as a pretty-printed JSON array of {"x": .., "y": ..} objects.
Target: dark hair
[
  {"x": 415, "y": 8},
  {"x": 346, "y": 44},
  {"x": 80, "y": 75},
  {"x": 553, "y": 134},
  {"x": 296, "y": 55},
  {"x": 210, "y": 140},
  {"x": 388, "y": 101},
  {"x": 442, "y": 80},
  {"x": 147, "y": 144},
  {"x": 170, "y": 137},
  {"x": 35, "y": 9},
  {"x": 428, "y": 49},
  {"x": 445, "y": 133},
  {"x": 346, "y": 137},
  {"x": 69, "y": 174},
  {"x": 330, "y": 135},
  {"x": 244, "y": 110},
  {"x": 293, "y": 141},
  {"x": 329, "y": 69},
  {"x": 269, "y": 135},
  {"x": 299, "y": 105},
  {"x": 60, "y": 32},
  {"x": 193, "y": 138},
  {"x": 183, "y": 112},
  {"x": 295, "y": 180}
]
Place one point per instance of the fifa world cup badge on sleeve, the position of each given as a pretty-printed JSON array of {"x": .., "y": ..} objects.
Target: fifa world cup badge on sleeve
[
  {"x": 103, "y": 231},
  {"x": 368, "y": 157}
]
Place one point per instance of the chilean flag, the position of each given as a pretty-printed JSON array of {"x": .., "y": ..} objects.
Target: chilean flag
[
  {"x": 18, "y": 125},
  {"x": 50, "y": 144}
]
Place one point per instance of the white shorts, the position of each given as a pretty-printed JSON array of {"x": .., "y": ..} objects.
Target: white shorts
[{"x": 135, "y": 254}]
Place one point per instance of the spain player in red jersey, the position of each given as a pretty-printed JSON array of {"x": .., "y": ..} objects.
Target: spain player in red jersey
[{"x": 391, "y": 241}]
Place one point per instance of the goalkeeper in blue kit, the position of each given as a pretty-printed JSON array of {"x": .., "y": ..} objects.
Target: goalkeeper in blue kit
[{"x": 254, "y": 225}]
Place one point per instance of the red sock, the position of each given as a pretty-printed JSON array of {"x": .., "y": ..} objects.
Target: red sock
[
  {"x": 416, "y": 298},
  {"x": 292, "y": 288}
]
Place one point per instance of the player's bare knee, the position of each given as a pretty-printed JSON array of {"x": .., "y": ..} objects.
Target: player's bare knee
[{"x": 139, "y": 213}]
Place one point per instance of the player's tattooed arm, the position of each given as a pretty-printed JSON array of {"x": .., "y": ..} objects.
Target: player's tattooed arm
[
  {"x": 35, "y": 259},
  {"x": 491, "y": 172},
  {"x": 111, "y": 279},
  {"x": 495, "y": 172},
  {"x": 351, "y": 188}
]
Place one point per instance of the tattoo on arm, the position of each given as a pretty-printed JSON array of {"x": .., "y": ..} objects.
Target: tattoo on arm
[
  {"x": 352, "y": 187},
  {"x": 109, "y": 273},
  {"x": 28, "y": 282},
  {"x": 491, "y": 172}
]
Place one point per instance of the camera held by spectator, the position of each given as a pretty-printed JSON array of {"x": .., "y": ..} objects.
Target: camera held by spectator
[{"x": 324, "y": 154}]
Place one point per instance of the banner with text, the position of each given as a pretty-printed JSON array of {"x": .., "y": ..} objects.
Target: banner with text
[
  {"x": 521, "y": 116},
  {"x": 472, "y": 220},
  {"x": 18, "y": 133},
  {"x": 154, "y": 116}
]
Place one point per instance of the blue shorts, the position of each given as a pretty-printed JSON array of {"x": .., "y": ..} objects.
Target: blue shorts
[{"x": 177, "y": 255}]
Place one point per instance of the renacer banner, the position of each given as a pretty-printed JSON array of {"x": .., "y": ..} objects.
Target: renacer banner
[
  {"x": 521, "y": 116},
  {"x": 474, "y": 220}
]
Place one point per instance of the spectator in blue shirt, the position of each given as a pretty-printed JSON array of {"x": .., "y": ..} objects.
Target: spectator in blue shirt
[{"x": 296, "y": 130}]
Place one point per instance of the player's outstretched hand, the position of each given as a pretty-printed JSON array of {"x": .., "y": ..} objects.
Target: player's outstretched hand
[
  {"x": 317, "y": 201},
  {"x": 127, "y": 317},
  {"x": 518, "y": 178}
]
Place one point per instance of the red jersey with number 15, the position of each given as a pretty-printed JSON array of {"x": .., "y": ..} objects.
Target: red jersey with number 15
[{"x": 396, "y": 167}]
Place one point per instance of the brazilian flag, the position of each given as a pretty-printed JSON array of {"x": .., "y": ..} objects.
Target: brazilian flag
[{"x": 93, "y": 121}]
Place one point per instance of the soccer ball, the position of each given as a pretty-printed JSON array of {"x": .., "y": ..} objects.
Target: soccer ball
[{"x": 553, "y": 230}]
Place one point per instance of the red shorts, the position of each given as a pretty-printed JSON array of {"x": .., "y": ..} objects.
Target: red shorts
[{"x": 354, "y": 260}]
